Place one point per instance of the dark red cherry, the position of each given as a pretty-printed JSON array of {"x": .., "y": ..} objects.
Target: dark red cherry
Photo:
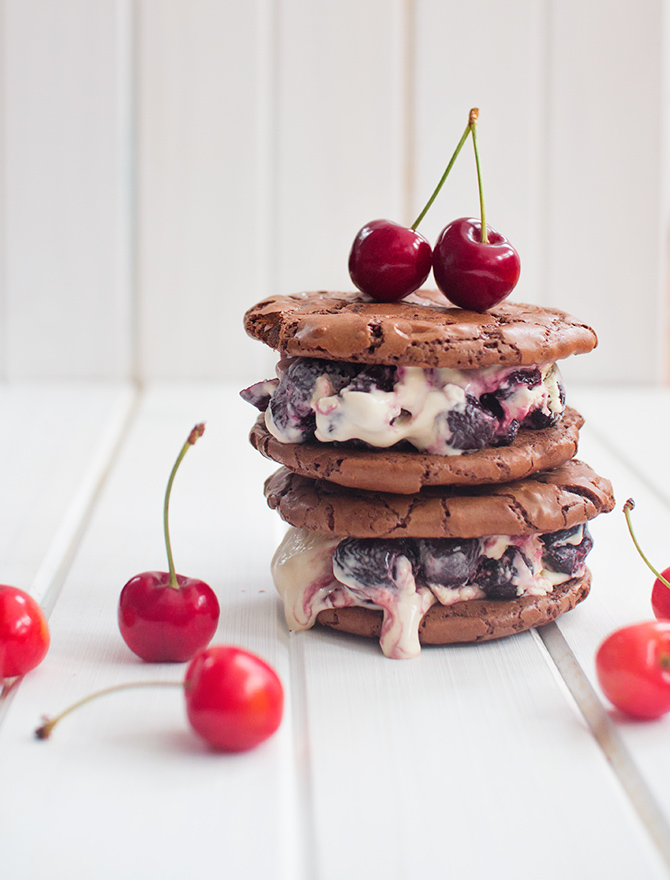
[
  {"x": 473, "y": 274},
  {"x": 163, "y": 616},
  {"x": 660, "y": 592},
  {"x": 167, "y": 623},
  {"x": 660, "y": 597},
  {"x": 389, "y": 261}
]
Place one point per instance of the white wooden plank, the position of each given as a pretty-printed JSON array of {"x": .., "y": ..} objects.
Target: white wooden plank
[
  {"x": 607, "y": 164},
  {"x": 619, "y": 443},
  {"x": 67, "y": 175},
  {"x": 381, "y": 768},
  {"x": 626, "y": 419},
  {"x": 55, "y": 443},
  {"x": 492, "y": 56},
  {"x": 421, "y": 759},
  {"x": 128, "y": 768},
  {"x": 205, "y": 197},
  {"x": 607, "y": 736},
  {"x": 341, "y": 121}
]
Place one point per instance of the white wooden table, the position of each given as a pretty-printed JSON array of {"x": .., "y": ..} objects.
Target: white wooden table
[{"x": 498, "y": 760}]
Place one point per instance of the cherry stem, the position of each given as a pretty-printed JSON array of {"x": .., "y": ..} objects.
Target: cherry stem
[
  {"x": 8, "y": 685},
  {"x": 474, "y": 116},
  {"x": 628, "y": 506},
  {"x": 448, "y": 168},
  {"x": 198, "y": 431},
  {"x": 45, "y": 729}
]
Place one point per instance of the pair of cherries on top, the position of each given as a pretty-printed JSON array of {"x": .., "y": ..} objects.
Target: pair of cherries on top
[{"x": 473, "y": 265}]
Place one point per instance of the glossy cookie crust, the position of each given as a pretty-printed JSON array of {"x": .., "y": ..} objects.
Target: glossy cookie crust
[
  {"x": 545, "y": 502},
  {"x": 422, "y": 330}
]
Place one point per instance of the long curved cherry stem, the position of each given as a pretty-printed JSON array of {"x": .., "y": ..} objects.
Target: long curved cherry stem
[
  {"x": 474, "y": 116},
  {"x": 45, "y": 729},
  {"x": 448, "y": 168},
  {"x": 198, "y": 431},
  {"x": 628, "y": 506}
]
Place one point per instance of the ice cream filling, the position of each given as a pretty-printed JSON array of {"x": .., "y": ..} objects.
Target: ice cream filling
[
  {"x": 442, "y": 411},
  {"x": 403, "y": 577}
]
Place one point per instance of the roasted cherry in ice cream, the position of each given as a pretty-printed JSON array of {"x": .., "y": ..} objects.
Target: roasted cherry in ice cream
[
  {"x": 374, "y": 566},
  {"x": 383, "y": 405},
  {"x": 563, "y": 553},
  {"x": 165, "y": 616}
]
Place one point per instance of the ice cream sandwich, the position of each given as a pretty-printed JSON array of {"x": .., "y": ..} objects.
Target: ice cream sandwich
[
  {"x": 427, "y": 466},
  {"x": 476, "y": 398},
  {"x": 449, "y": 564}
]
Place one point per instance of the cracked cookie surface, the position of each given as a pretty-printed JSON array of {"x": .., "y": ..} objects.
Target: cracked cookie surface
[
  {"x": 422, "y": 330},
  {"x": 545, "y": 502}
]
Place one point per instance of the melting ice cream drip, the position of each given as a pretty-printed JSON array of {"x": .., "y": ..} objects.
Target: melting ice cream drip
[
  {"x": 404, "y": 577},
  {"x": 380, "y": 573}
]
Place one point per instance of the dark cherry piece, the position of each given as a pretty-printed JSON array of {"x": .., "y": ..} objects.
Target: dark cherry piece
[
  {"x": 165, "y": 617},
  {"x": 389, "y": 261},
  {"x": 470, "y": 273}
]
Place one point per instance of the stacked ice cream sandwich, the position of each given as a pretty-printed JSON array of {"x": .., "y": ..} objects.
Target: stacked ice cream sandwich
[{"x": 428, "y": 473}]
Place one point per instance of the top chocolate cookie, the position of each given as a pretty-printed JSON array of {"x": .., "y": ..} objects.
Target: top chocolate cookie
[{"x": 422, "y": 330}]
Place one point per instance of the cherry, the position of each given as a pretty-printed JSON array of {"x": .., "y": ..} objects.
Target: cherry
[
  {"x": 471, "y": 273},
  {"x": 633, "y": 668},
  {"x": 234, "y": 699},
  {"x": 164, "y": 616},
  {"x": 660, "y": 592},
  {"x": 24, "y": 633},
  {"x": 660, "y": 596},
  {"x": 474, "y": 266},
  {"x": 388, "y": 261}
]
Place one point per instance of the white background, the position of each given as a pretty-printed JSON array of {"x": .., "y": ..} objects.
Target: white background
[{"x": 166, "y": 163}]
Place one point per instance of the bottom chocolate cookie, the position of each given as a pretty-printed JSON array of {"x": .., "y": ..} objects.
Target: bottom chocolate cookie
[{"x": 477, "y": 620}]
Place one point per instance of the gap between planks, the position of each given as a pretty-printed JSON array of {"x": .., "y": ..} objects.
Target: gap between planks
[
  {"x": 306, "y": 856},
  {"x": 50, "y": 576},
  {"x": 607, "y": 736}
]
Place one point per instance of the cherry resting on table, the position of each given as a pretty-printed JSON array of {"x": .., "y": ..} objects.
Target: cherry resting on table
[
  {"x": 166, "y": 617},
  {"x": 24, "y": 633}
]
